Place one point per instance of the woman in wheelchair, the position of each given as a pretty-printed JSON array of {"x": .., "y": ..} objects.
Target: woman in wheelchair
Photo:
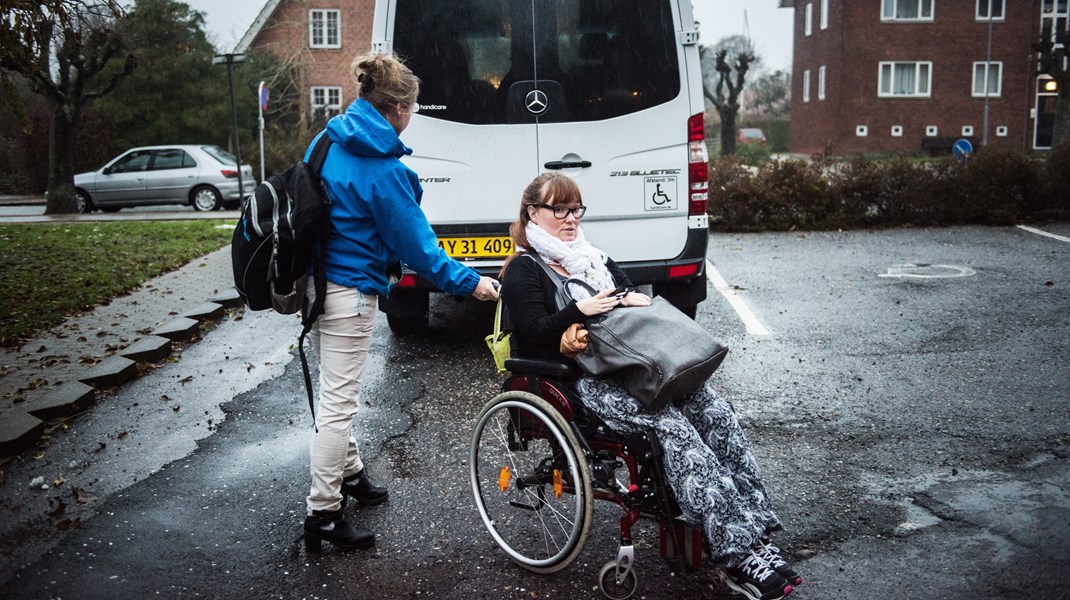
[{"x": 706, "y": 458}]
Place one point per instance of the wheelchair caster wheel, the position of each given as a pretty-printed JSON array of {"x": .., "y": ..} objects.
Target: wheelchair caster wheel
[{"x": 607, "y": 580}]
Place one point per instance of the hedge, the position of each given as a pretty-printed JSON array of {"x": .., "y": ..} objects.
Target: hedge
[{"x": 995, "y": 186}]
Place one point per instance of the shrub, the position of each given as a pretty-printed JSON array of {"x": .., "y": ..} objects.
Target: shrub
[
  {"x": 996, "y": 186},
  {"x": 753, "y": 153}
]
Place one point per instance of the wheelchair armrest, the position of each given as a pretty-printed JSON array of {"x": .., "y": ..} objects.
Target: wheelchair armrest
[{"x": 546, "y": 368}]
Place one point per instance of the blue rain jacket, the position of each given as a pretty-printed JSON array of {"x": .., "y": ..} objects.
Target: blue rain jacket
[{"x": 375, "y": 212}]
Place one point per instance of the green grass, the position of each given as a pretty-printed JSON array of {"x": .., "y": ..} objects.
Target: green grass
[{"x": 49, "y": 272}]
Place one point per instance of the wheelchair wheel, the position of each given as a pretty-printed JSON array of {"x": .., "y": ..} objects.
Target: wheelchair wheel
[
  {"x": 607, "y": 581},
  {"x": 531, "y": 482}
]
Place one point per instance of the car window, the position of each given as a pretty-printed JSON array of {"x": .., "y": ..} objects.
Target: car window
[
  {"x": 135, "y": 161},
  {"x": 172, "y": 158},
  {"x": 610, "y": 57},
  {"x": 221, "y": 155}
]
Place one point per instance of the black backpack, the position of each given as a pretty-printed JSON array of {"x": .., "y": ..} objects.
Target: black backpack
[{"x": 275, "y": 241}]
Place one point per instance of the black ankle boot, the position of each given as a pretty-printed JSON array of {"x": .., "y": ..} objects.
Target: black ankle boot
[
  {"x": 361, "y": 489},
  {"x": 330, "y": 526}
]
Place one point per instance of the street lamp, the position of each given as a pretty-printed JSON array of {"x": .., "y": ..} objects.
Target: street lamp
[{"x": 230, "y": 60}]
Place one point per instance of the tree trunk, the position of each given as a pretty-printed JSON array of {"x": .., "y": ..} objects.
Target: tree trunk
[
  {"x": 728, "y": 130},
  {"x": 61, "y": 162}
]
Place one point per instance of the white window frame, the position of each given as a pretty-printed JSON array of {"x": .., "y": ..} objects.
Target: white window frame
[
  {"x": 821, "y": 82},
  {"x": 897, "y": 131},
  {"x": 987, "y": 5},
  {"x": 824, "y": 19},
  {"x": 327, "y": 91},
  {"x": 888, "y": 10},
  {"x": 967, "y": 130},
  {"x": 999, "y": 79},
  {"x": 932, "y": 130},
  {"x": 321, "y": 34},
  {"x": 861, "y": 130},
  {"x": 806, "y": 86},
  {"x": 895, "y": 65},
  {"x": 808, "y": 19}
]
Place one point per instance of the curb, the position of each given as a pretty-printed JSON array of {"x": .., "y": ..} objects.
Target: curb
[{"x": 23, "y": 428}]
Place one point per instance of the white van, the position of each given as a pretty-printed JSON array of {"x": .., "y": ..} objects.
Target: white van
[{"x": 607, "y": 91}]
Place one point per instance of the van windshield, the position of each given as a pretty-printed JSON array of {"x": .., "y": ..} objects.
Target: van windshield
[{"x": 607, "y": 57}]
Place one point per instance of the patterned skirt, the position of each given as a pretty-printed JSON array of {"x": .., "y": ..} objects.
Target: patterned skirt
[{"x": 707, "y": 460}]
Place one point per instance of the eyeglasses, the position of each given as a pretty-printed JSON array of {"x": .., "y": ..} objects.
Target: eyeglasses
[{"x": 561, "y": 212}]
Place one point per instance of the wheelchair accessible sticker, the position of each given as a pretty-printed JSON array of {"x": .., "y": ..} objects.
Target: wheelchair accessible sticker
[{"x": 660, "y": 193}]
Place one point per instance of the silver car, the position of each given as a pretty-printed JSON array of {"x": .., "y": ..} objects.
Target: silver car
[{"x": 205, "y": 177}]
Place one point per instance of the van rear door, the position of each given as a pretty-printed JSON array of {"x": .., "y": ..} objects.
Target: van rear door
[
  {"x": 473, "y": 156},
  {"x": 618, "y": 68}
]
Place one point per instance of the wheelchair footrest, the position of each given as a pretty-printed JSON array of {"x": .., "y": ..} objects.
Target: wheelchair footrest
[{"x": 682, "y": 545}]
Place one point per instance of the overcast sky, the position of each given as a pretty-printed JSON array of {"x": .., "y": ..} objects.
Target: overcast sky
[{"x": 770, "y": 27}]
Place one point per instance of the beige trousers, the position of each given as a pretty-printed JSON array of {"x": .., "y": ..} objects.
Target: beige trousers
[{"x": 341, "y": 338}]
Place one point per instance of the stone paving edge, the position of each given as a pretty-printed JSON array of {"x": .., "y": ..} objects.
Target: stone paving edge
[{"x": 21, "y": 429}]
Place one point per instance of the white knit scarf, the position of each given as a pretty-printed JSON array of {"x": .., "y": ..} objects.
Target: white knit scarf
[{"x": 578, "y": 257}]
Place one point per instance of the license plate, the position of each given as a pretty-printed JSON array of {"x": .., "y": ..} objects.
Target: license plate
[{"x": 477, "y": 247}]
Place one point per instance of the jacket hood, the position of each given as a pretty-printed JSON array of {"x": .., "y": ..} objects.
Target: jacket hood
[{"x": 362, "y": 131}]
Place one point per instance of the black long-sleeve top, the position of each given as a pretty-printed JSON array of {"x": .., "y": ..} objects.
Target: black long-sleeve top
[{"x": 530, "y": 299}]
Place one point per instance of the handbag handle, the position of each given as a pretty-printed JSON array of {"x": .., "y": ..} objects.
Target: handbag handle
[{"x": 498, "y": 318}]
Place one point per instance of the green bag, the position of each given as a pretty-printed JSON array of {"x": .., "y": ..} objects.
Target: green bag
[{"x": 498, "y": 342}]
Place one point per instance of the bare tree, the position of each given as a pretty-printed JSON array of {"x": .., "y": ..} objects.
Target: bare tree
[
  {"x": 68, "y": 51},
  {"x": 1054, "y": 61},
  {"x": 769, "y": 95},
  {"x": 731, "y": 59}
]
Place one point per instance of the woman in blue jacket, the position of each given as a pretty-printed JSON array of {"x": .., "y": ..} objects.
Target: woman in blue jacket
[{"x": 376, "y": 221}]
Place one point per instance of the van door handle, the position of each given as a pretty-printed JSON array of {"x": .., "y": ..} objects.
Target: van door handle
[{"x": 560, "y": 164}]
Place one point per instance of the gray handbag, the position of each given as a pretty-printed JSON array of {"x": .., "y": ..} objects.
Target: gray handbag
[{"x": 657, "y": 353}]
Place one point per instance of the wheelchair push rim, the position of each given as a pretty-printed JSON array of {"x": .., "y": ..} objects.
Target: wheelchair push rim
[{"x": 531, "y": 482}]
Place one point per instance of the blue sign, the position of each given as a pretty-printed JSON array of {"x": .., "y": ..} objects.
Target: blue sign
[{"x": 962, "y": 150}]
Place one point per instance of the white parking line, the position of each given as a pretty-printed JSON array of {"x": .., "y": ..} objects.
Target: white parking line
[
  {"x": 754, "y": 326},
  {"x": 1044, "y": 233}
]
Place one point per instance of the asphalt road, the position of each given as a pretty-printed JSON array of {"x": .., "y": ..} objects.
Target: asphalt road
[{"x": 908, "y": 405}]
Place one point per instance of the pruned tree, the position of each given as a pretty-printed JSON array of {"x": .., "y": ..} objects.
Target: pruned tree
[
  {"x": 67, "y": 50},
  {"x": 730, "y": 59},
  {"x": 1054, "y": 61}
]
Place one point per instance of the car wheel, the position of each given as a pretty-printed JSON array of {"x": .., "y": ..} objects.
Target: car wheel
[
  {"x": 205, "y": 198},
  {"x": 82, "y": 202}
]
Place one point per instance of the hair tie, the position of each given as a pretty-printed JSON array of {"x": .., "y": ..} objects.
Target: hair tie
[{"x": 366, "y": 83}]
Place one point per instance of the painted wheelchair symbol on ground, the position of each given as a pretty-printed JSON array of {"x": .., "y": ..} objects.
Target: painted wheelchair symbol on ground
[{"x": 927, "y": 271}]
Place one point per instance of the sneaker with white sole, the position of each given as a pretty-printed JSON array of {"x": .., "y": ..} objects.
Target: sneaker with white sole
[
  {"x": 756, "y": 580},
  {"x": 771, "y": 554}
]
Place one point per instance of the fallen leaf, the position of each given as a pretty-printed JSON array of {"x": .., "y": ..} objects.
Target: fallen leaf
[
  {"x": 82, "y": 496},
  {"x": 122, "y": 435},
  {"x": 66, "y": 524},
  {"x": 175, "y": 407},
  {"x": 59, "y": 510},
  {"x": 186, "y": 379}
]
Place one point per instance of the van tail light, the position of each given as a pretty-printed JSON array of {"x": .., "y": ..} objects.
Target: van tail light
[
  {"x": 698, "y": 168},
  {"x": 229, "y": 173},
  {"x": 407, "y": 281},
  {"x": 685, "y": 270}
]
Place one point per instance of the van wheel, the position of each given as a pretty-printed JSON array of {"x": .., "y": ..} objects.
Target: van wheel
[
  {"x": 406, "y": 310},
  {"x": 690, "y": 311},
  {"x": 403, "y": 326}
]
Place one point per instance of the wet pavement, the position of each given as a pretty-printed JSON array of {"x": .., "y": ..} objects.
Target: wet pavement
[{"x": 908, "y": 408}]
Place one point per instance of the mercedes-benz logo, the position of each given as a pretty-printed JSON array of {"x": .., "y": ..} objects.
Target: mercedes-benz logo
[{"x": 535, "y": 101}]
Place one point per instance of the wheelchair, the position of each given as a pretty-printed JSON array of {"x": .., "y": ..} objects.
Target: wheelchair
[{"x": 538, "y": 461}]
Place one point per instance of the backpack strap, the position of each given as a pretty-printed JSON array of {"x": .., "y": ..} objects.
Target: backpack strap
[{"x": 310, "y": 311}]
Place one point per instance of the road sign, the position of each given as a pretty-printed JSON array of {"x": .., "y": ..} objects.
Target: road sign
[
  {"x": 962, "y": 150},
  {"x": 263, "y": 96}
]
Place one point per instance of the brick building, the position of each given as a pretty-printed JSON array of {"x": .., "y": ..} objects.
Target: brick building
[
  {"x": 915, "y": 75},
  {"x": 321, "y": 37}
]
